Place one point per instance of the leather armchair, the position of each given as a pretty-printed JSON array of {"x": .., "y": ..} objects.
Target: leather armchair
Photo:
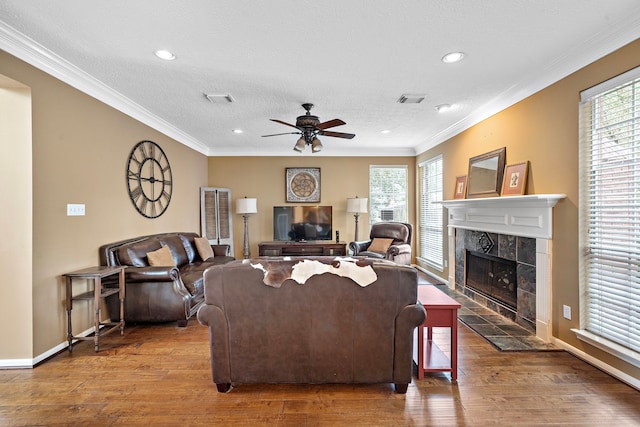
[{"x": 399, "y": 248}]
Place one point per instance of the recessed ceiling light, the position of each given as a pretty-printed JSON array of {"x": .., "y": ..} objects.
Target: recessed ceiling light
[
  {"x": 165, "y": 54},
  {"x": 385, "y": 131},
  {"x": 443, "y": 107},
  {"x": 452, "y": 57},
  {"x": 237, "y": 131}
]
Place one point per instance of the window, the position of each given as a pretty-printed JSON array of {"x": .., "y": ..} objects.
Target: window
[
  {"x": 431, "y": 227},
  {"x": 387, "y": 193},
  {"x": 610, "y": 216}
]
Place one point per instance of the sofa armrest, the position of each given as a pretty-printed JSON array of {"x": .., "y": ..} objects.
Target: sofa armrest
[
  {"x": 395, "y": 250},
  {"x": 357, "y": 247},
  {"x": 213, "y": 317},
  {"x": 407, "y": 320},
  {"x": 151, "y": 274},
  {"x": 221, "y": 250}
]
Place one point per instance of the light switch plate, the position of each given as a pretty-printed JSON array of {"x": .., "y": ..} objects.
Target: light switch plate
[
  {"x": 566, "y": 312},
  {"x": 74, "y": 209}
]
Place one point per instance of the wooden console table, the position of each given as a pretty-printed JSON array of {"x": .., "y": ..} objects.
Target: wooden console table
[
  {"x": 442, "y": 311},
  {"x": 97, "y": 294},
  {"x": 315, "y": 248}
]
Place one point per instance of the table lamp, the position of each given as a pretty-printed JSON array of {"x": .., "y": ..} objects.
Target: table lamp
[{"x": 357, "y": 206}]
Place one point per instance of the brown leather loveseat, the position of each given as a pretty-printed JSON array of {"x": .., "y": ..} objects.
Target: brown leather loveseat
[
  {"x": 160, "y": 293},
  {"x": 329, "y": 329}
]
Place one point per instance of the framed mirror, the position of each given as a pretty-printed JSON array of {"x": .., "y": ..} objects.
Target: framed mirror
[{"x": 485, "y": 174}]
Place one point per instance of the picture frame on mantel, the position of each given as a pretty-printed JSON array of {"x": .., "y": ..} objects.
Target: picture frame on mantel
[
  {"x": 460, "y": 190},
  {"x": 486, "y": 172},
  {"x": 515, "y": 179},
  {"x": 302, "y": 185}
]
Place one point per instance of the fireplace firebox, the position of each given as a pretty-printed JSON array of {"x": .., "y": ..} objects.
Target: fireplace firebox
[{"x": 493, "y": 277}]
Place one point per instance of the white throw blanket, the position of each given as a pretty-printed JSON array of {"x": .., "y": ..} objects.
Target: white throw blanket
[{"x": 344, "y": 267}]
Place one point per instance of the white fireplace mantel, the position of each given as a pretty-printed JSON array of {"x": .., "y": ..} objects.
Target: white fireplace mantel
[{"x": 527, "y": 216}]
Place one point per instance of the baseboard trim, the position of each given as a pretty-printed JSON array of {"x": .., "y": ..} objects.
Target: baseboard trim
[
  {"x": 428, "y": 273},
  {"x": 31, "y": 363},
  {"x": 614, "y": 372}
]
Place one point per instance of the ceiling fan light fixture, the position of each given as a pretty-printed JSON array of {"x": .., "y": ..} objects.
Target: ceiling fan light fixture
[
  {"x": 316, "y": 145},
  {"x": 299, "y": 145}
]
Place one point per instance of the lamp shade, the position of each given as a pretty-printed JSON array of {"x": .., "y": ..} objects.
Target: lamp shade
[
  {"x": 357, "y": 205},
  {"x": 246, "y": 206},
  {"x": 299, "y": 145},
  {"x": 316, "y": 145}
]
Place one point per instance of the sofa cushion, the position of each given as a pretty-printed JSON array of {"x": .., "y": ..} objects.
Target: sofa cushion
[
  {"x": 135, "y": 253},
  {"x": 204, "y": 248},
  {"x": 176, "y": 246},
  {"x": 192, "y": 280},
  {"x": 380, "y": 245},
  {"x": 161, "y": 257},
  {"x": 189, "y": 246}
]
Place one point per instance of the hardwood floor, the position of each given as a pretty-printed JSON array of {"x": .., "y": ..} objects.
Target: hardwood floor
[{"x": 160, "y": 376}]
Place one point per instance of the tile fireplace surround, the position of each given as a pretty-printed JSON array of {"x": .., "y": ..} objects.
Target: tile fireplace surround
[{"x": 519, "y": 216}]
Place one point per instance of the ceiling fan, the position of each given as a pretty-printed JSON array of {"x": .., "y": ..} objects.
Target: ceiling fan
[{"x": 309, "y": 127}]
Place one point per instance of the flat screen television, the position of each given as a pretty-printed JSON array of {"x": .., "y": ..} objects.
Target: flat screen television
[{"x": 302, "y": 223}]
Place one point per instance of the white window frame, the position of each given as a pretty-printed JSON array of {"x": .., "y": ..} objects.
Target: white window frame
[
  {"x": 609, "y": 234},
  {"x": 431, "y": 225},
  {"x": 397, "y": 201}
]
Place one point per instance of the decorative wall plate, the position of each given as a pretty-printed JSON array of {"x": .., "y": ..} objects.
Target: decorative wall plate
[{"x": 302, "y": 185}]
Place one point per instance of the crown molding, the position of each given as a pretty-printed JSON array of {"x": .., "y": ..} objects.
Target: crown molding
[
  {"x": 26, "y": 49},
  {"x": 584, "y": 53},
  {"x": 334, "y": 152}
]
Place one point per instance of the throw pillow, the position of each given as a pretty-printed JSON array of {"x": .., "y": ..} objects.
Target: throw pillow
[
  {"x": 380, "y": 245},
  {"x": 161, "y": 257},
  {"x": 204, "y": 248}
]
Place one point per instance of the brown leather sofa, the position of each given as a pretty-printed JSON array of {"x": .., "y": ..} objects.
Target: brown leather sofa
[
  {"x": 398, "y": 242},
  {"x": 159, "y": 293},
  {"x": 327, "y": 330}
]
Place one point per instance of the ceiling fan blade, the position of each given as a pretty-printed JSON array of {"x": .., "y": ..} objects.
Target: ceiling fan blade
[
  {"x": 330, "y": 124},
  {"x": 337, "y": 134},
  {"x": 286, "y": 133},
  {"x": 284, "y": 123}
]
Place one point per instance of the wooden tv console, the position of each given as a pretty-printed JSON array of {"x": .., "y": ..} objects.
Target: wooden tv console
[{"x": 314, "y": 248}]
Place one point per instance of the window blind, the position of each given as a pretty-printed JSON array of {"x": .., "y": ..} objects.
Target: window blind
[
  {"x": 610, "y": 210},
  {"x": 431, "y": 214}
]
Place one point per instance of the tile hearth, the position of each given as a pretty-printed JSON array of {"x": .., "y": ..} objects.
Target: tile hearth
[{"x": 501, "y": 332}]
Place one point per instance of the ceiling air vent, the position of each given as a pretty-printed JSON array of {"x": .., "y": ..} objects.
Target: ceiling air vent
[
  {"x": 407, "y": 98},
  {"x": 219, "y": 99}
]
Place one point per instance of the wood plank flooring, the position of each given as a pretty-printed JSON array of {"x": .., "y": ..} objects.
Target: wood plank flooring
[{"x": 159, "y": 375}]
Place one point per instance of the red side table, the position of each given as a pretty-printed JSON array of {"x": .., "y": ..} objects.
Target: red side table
[{"x": 442, "y": 311}]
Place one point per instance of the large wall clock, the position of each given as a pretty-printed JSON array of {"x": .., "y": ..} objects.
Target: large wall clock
[{"x": 149, "y": 179}]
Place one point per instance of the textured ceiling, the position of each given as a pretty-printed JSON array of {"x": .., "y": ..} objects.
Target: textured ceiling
[{"x": 352, "y": 59}]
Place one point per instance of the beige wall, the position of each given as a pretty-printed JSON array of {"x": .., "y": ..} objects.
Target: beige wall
[
  {"x": 264, "y": 179},
  {"x": 544, "y": 130},
  {"x": 15, "y": 226},
  {"x": 80, "y": 149}
]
